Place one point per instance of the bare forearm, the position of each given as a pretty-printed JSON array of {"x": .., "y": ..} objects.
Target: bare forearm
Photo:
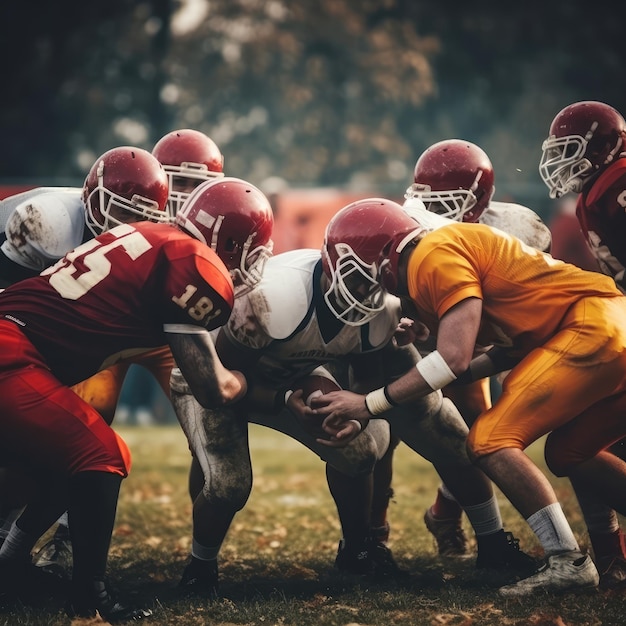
[{"x": 211, "y": 383}]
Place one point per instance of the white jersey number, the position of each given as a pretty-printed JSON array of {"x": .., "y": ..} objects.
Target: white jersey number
[{"x": 93, "y": 253}]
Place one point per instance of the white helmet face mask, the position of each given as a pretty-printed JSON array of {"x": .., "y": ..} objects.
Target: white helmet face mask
[
  {"x": 355, "y": 297},
  {"x": 183, "y": 179},
  {"x": 563, "y": 168},
  {"x": 250, "y": 270},
  {"x": 144, "y": 208},
  {"x": 450, "y": 204}
]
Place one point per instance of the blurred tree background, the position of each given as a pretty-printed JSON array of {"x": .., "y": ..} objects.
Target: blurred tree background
[{"x": 320, "y": 92}]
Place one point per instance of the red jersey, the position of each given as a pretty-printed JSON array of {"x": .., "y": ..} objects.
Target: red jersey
[
  {"x": 601, "y": 211},
  {"x": 111, "y": 297}
]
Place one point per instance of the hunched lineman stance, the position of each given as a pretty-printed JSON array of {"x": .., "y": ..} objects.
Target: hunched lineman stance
[
  {"x": 585, "y": 154},
  {"x": 42, "y": 224},
  {"x": 136, "y": 287},
  {"x": 455, "y": 179},
  {"x": 291, "y": 323},
  {"x": 560, "y": 330},
  {"x": 237, "y": 222}
]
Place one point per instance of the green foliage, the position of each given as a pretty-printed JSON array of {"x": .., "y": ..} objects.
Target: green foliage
[
  {"x": 324, "y": 92},
  {"x": 276, "y": 562}
]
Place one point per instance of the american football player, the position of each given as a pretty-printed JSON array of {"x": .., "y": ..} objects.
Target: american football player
[
  {"x": 455, "y": 179},
  {"x": 189, "y": 157},
  {"x": 559, "y": 329},
  {"x": 135, "y": 287},
  {"x": 295, "y": 320},
  {"x": 124, "y": 184},
  {"x": 237, "y": 221},
  {"x": 585, "y": 154}
]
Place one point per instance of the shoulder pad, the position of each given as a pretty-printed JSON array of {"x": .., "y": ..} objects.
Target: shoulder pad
[
  {"x": 44, "y": 228},
  {"x": 7, "y": 205},
  {"x": 519, "y": 221},
  {"x": 383, "y": 326},
  {"x": 415, "y": 208},
  {"x": 283, "y": 297}
]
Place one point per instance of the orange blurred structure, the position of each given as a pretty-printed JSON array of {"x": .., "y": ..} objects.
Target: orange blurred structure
[{"x": 301, "y": 215}]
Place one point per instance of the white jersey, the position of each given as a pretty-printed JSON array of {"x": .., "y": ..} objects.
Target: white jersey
[
  {"x": 286, "y": 317},
  {"x": 42, "y": 225},
  {"x": 519, "y": 221},
  {"x": 513, "y": 219}
]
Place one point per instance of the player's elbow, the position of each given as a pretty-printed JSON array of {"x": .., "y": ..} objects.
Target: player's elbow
[
  {"x": 228, "y": 388},
  {"x": 458, "y": 363},
  {"x": 209, "y": 391}
]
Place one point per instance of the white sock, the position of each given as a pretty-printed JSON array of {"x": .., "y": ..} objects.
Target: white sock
[
  {"x": 485, "y": 517},
  {"x": 204, "y": 553},
  {"x": 17, "y": 544},
  {"x": 7, "y": 521},
  {"x": 552, "y": 530},
  {"x": 63, "y": 520}
]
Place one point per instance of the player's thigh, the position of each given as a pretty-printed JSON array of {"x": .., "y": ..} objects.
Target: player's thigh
[
  {"x": 548, "y": 388},
  {"x": 433, "y": 427},
  {"x": 358, "y": 457},
  {"x": 594, "y": 430},
  {"x": 471, "y": 400},
  {"x": 44, "y": 424}
]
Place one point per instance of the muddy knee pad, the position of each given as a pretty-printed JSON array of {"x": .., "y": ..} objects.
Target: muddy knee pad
[
  {"x": 362, "y": 453},
  {"x": 432, "y": 427},
  {"x": 218, "y": 439}
]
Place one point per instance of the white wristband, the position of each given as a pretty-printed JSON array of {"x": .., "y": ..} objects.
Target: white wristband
[
  {"x": 435, "y": 371},
  {"x": 288, "y": 394},
  {"x": 376, "y": 402}
]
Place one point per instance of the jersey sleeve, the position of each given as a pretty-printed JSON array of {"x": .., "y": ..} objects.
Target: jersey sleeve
[
  {"x": 196, "y": 287},
  {"x": 440, "y": 275}
]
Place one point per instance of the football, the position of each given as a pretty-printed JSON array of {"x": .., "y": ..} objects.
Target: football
[{"x": 313, "y": 386}]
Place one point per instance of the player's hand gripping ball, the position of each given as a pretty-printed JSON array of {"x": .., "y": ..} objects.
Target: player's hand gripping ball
[{"x": 313, "y": 386}]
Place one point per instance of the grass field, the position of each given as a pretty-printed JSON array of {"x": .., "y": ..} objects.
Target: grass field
[{"x": 276, "y": 562}]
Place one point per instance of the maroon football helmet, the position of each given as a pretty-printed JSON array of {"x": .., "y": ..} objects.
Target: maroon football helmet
[
  {"x": 189, "y": 157},
  {"x": 455, "y": 179},
  {"x": 360, "y": 255},
  {"x": 585, "y": 137},
  {"x": 235, "y": 219},
  {"x": 124, "y": 184}
]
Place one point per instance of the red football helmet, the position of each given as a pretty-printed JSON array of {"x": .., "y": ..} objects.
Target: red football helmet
[
  {"x": 235, "y": 219},
  {"x": 360, "y": 255},
  {"x": 189, "y": 157},
  {"x": 453, "y": 178},
  {"x": 124, "y": 182},
  {"x": 585, "y": 137}
]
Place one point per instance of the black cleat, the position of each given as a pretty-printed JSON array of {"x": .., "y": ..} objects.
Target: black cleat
[
  {"x": 501, "y": 551},
  {"x": 99, "y": 602},
  {"x": 612, "y": 572},
  {"x": 200, "y": 577},
  {"x": 383, "y": 564},
  {"x": 357, "y": 562},
  {"x": 372, "y": 559}
]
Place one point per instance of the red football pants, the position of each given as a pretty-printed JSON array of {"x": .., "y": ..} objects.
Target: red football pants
[{"x": 43, "y": 423}]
